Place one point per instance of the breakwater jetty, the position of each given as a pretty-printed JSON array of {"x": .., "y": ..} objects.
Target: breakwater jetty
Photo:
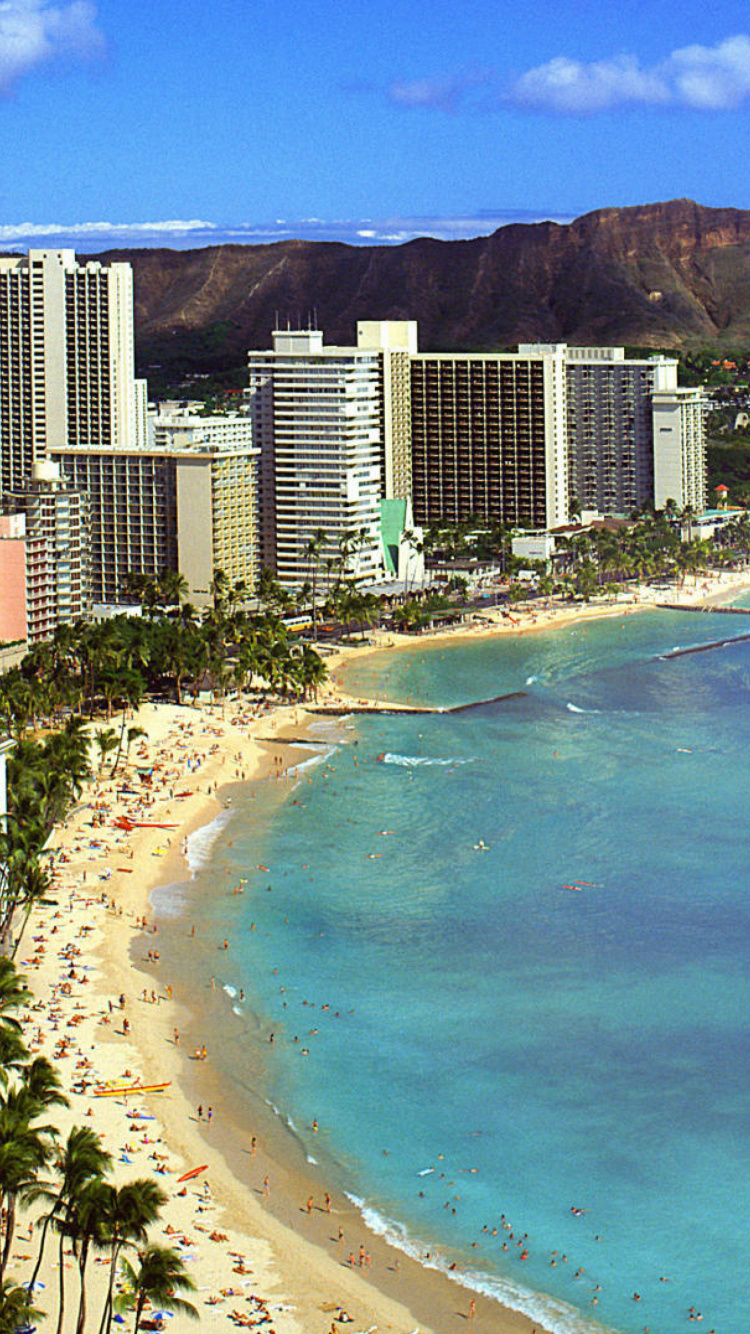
[{"x": 705, "y": 606}]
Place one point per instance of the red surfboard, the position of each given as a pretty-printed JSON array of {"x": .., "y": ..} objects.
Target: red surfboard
[{"x": 194, "y": 1172}]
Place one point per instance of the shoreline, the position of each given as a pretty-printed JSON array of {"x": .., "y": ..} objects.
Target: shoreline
[
  {"x": 715, "y": 590},
  {"x": 305, "y": 1284},
  {"x": 436, "y": 1298}
]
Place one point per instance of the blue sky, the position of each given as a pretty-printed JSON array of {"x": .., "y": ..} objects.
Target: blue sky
[{"x": 135, "y": 122}]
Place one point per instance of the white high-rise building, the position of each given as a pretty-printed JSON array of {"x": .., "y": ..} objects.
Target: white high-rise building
[
  {"x": 316, "y": 417},
  {"x": 680, "y": 448},
  {"x": 66, "y": 359}
]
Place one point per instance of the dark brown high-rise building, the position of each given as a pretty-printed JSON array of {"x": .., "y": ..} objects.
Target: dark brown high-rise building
[{"x": 489, "y": 439}]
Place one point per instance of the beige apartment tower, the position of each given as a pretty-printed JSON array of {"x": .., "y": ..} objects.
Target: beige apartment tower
[
  {"x": 189, "y": 509},
  {"x": 680, "y": 448},
  {"x": 395, "y": 342},
  {"x": 66, "y": 359}
]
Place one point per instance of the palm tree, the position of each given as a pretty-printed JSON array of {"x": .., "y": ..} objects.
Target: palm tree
[
  {"x": 34, "y": 887},
  {"x": 132, "y": 690},
  {"x": 86, "y": 1225},
  {"x": 16, "y": 1310},
  {"x": 133, "y": 734},
  {"x": 13, "y": 1054},
  {"x": 160, "y": 1275},
  {"x": 311, "y": 671},
  {"x": 219, "y": 589},
  {"x": 42, "y": 1085},
  {"x": 313, "y": 551},
  {"x": 24, "y": 1149},
  {"x": 106, "y": 740},
  {"x": 173, "y": 588},
  {"x": 130, "y": 1211},
  {"x": 13, "y": 993},
  {"x": 82, "y": 1160},
  {"x": 687, "y": 516}
]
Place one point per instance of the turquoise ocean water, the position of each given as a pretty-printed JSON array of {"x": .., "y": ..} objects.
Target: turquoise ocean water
[{"x": 528, "y": 1001}]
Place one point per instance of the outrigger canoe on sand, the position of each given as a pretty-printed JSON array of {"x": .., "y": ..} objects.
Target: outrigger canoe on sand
[
  {"x": 117, "y": 1090},
  {"x": 127, "y": 825}
]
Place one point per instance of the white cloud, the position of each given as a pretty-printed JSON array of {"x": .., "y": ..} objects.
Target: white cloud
[
  {"x": 704, "y": 78},
  {"x": 35, "y": 32},
  {"x": 29, "y": 231},
  {"x": 441, "y": 92},
  {"x": 88, "y": 237}
]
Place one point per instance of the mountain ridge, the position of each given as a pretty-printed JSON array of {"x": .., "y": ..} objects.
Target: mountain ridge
[{"x": 674, "y": 274}]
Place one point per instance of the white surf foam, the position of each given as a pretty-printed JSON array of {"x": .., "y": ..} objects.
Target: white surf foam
[
  {"x": 413, "y": 761},
  {"x": 554, "y": 1315},
  {"x": 201, "y": 841},
  {"x": 574, "y": 708},
  {"x": 281, "y": 1115}
]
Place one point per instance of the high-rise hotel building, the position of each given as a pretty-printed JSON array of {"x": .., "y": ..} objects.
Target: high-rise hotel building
[
  {"x": 680, "y": 448},
  {"x": 612, "y": 442},
  {"x": 316, "y": 413},
  {"x": 192, "y": 509},
  {"x": 66, "y": 359},
  {"x": 489, "y": 438},
  {"x": 45, "y": 555}
]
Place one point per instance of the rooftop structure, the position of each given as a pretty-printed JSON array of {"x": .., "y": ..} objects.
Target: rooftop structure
[{"x": 180, "y": 428}]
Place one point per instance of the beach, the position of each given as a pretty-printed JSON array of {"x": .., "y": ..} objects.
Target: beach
[
  {"x": 255, "y": 1254},
  {"x": 248, "y": 1253}
]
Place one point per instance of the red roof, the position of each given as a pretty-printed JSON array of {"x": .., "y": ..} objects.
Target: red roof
[{"x": 721, "y": 487}]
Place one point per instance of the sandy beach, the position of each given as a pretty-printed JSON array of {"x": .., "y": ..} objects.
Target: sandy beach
[{"x": 278, "y": 1255}]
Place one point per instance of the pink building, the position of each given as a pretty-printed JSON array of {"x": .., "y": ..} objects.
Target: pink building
[
  {"x": 49, "y": 555},
  {"x": 13, "y": 605}
]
